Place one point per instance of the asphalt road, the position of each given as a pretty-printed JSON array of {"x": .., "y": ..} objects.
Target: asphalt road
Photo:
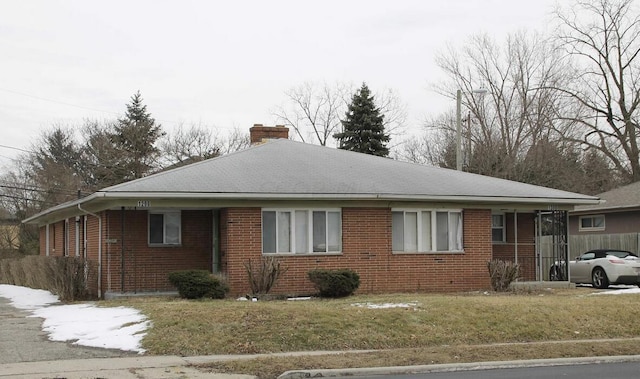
[
  {"x": 22, "y": 340},
  {"x": 615, "y": 370}
]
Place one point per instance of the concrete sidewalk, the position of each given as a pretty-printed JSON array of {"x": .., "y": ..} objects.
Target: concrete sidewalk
[
  {"x": 143, "y": 367},
  {"x": 140, "y": 367},
  {"x": 173, "y": 367}
]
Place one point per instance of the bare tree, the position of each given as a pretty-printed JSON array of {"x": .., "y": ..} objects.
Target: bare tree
[
  {"x": 198, "y": 142},
  {"x": 602, "y": 38},
  {"x": 99, "y": 155},
  {"x": 314, "y": 111},
  {"x": 436, "y": 146},
  {"x": 518, "y": 109},
  {"x": 188, "y": 145},
  {"x": 236, "y": 140},
  {"x": 21, "y": 197}
]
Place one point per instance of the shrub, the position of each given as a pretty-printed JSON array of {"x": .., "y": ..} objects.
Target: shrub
[
  {"x": 263, "y": 277},
  {"x": 502, "y": 273},
  {"x": 335, "y": 283},
  {"x": 62, "y": 276},
  {"x": 196, "y": 284}
]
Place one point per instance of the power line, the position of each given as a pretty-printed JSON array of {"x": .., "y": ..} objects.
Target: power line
[
  {"x": 57, "y": 102},
  {"x": 27, "y": 199},
  {"x": 97, "y": 110},
  {"x": 15, "y": 148},
  {"x": 60, "y": 191}
]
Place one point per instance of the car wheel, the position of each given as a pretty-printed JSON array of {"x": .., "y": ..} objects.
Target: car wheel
[{"x": 599, "y": 278}]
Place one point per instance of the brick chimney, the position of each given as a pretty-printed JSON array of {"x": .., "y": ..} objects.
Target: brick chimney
[{"x": 261, "y": 134}]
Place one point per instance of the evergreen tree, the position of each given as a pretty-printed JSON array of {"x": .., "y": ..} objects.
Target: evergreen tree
[
  {"x": 363, "y": 128},
  {"x": 134, "y": 137}
]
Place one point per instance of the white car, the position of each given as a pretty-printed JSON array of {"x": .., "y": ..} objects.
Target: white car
[{"x": 600, "y": 268}]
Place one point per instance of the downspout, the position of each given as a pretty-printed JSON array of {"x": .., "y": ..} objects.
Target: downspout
[
  {"x": 122, "y": 249},
  {"x": 567, "y": 258},
  {"x": 99, "y": 248},
  {"x": 47, "y": 244},
  {"x": 515, "y": 233},
  {"x": 77, "y": 233}
]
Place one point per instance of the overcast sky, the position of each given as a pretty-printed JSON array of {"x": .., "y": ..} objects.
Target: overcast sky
[{"x": 226, "y": 63}]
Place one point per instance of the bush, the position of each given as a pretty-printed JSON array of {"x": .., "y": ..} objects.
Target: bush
[
  {"x": 335, "y": 283},
  {"x": 62, "y": 276},
  {"x": 263, "y": 277},
  {"x": 196, "y": 284},
  {"x": 502, "y": 273}
]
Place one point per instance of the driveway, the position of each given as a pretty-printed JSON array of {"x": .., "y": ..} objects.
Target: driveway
[{"x": 22, "y": 340}]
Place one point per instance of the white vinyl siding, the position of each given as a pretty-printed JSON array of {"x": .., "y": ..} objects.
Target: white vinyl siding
[{"x": 591, "y": 223}]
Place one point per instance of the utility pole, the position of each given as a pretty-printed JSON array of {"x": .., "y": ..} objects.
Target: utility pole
[{"x": 458, "y": 131}]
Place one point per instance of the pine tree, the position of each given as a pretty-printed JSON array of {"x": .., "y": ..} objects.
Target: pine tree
[
  {"x": 134, "y": 137},
  {"x": 363, "y": 127}
]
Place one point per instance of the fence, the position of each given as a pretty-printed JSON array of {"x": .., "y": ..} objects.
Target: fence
[
  {"x": 580, "y": 244},
  {"x": 554, "y": 268}
]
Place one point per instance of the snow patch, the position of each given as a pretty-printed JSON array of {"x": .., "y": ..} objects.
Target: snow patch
[
  {"x": 85, "y": 324},
  {"x": 413, "y": 305},
  {"x": 624, "y": 291}
]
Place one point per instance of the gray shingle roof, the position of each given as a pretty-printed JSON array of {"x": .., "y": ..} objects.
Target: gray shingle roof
[
  {"x": 622, "y": 197},
  {"x": 289, "y": 168}
]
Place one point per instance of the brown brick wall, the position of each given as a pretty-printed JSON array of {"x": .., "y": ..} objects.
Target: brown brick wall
[
  {"x": 56, "y": 238},
  {"x": 43, "y": 240},
  {"x": 367, "y": 250},
  {"x": 259, "y": 132},
  {"x": 146, "y": 268},
  {"x": 526, "y": 244}
]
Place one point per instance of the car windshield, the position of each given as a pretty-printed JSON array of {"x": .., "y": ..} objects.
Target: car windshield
[{"x": 621, "y": 254}]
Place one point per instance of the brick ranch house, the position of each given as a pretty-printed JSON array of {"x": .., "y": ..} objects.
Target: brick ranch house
[{"x": 403, "y": 227}]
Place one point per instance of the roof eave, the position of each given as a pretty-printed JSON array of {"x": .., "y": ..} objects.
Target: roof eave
[
  {"x": 361, "y": 196},
  {"x": 498, "y": 200}
]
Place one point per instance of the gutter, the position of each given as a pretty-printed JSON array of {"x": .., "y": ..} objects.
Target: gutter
[
  {"x": 99, "y": 247},
  {"x": 361, "y": 196}
]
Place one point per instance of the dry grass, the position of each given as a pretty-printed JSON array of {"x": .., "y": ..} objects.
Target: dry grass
[
  {"x": 439, "y": 329},
  {"x": 272, "y": 367}
]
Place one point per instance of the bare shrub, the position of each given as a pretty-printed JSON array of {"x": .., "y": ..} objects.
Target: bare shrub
[
  {"x": 17, "y": 272},
  {"x": 265, "y": 275},
  {"x": 502, "y": 273},
  {"x": 5, "y": 272},
  {"x": 62, "y": 276}
]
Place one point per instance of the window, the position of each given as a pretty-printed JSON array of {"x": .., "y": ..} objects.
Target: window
[
  {"x": 592, "y": 223},
  {"x": 301, "y": 231},
  {"x": 164, "y": 228},
  {"x": 497, "y": 227},
  {"x": 416, "y": 230}
]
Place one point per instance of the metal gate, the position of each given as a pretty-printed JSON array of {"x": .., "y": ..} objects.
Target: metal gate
[{"x": 552, "y": 252}]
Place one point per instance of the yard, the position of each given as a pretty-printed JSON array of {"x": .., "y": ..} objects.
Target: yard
[{"x": 402, "y": 328}]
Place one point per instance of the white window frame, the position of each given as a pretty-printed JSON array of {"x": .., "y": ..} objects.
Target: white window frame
[
  {"x": 503, "y": 227},
  {"x": 164, "y": 213},
  {"x": 433, "y": 248},
  {"x": 293, "y": 225},
  {"x": 591, "y": 228}
]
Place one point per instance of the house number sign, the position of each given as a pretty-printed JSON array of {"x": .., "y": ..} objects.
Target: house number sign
[{"x": 144, "y": 203}]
